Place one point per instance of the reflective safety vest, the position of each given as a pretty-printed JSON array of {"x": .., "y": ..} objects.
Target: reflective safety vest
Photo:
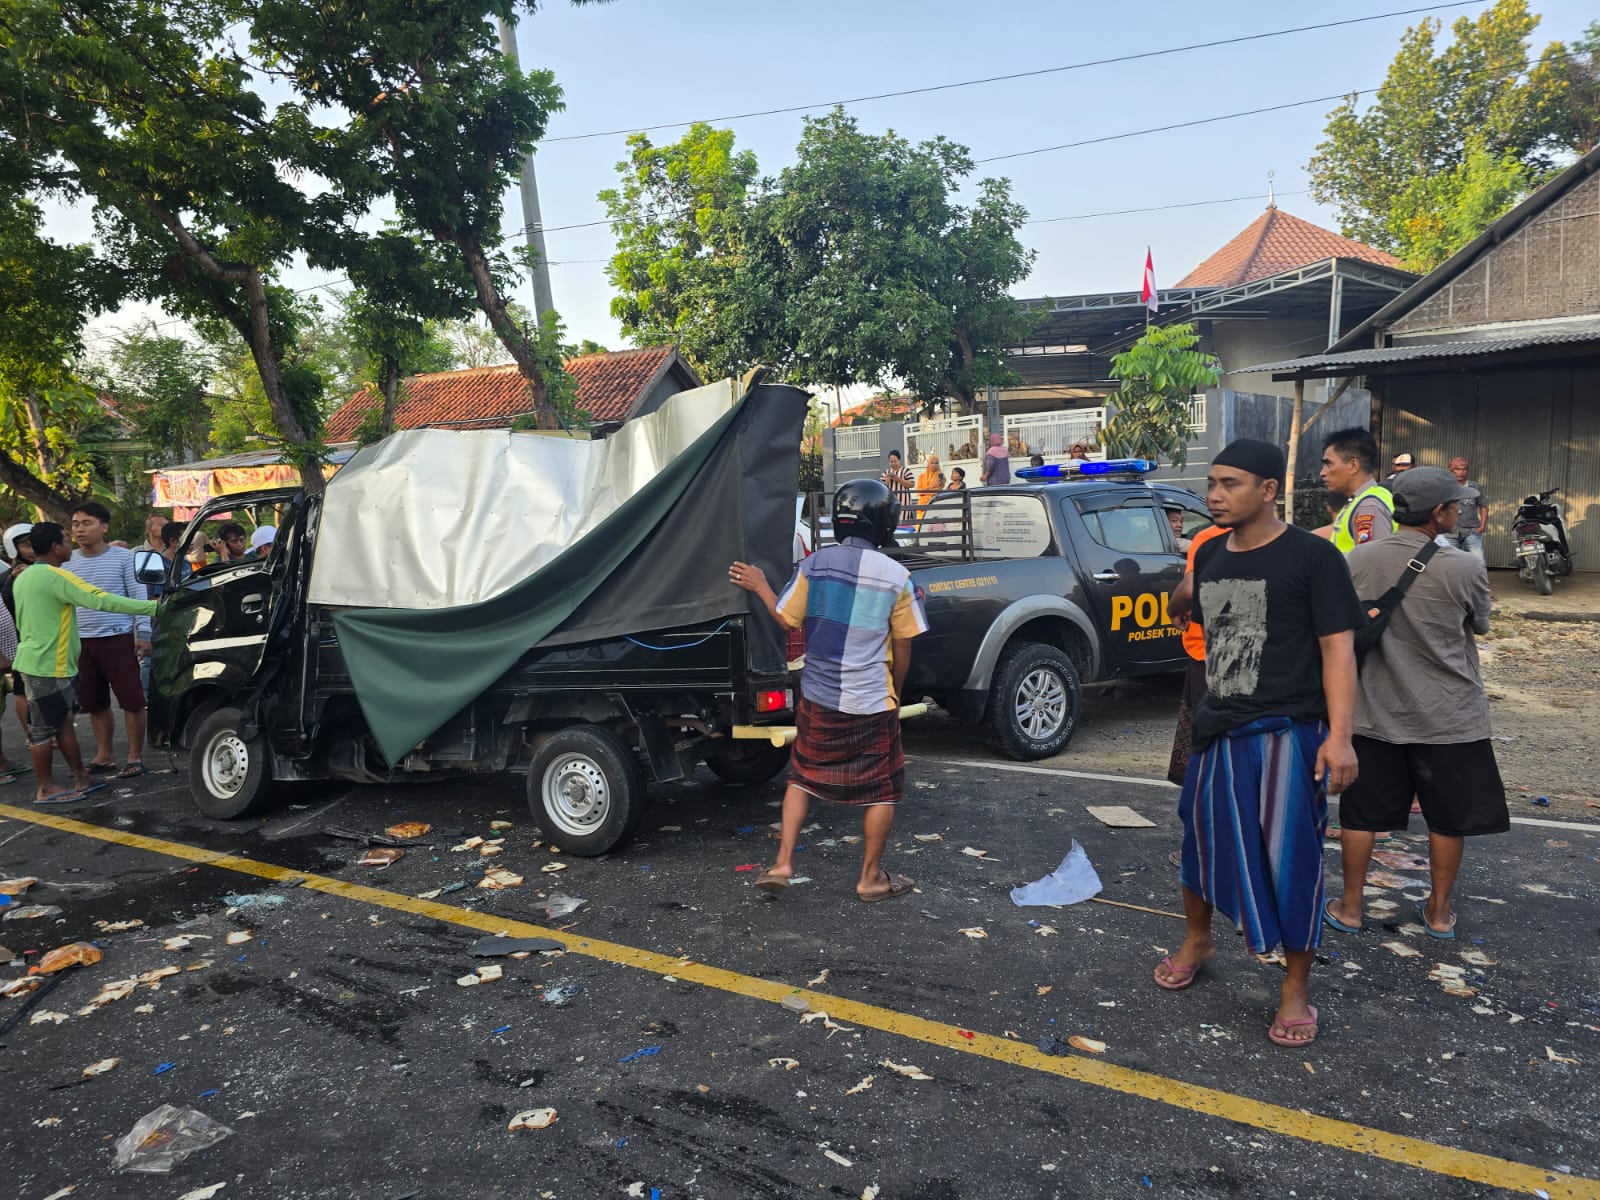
[{"x": 1342, "y": 537}]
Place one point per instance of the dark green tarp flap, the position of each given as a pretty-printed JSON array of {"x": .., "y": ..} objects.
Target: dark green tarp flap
[{"x": 648, "y": 566}]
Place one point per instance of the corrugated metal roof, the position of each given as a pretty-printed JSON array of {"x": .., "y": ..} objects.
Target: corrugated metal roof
[{"x": 1478, "y": 348}]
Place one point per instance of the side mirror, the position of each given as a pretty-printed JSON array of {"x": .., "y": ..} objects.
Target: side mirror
[{"x": 149, "y": 567}]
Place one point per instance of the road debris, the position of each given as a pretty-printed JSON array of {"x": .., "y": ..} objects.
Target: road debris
[
  {"x": 828, "y": 1022},
  {"x": 533, "y": 1118},
  {"x": 1046, "y": 930},
  {"x": 820, "y": 979},
  {"x": 498, "y": 878},
  {"x": 239, "y": 937},
  {"x": 928, "y": 837},
  {"x": 788, "y": 1064},
  {"x": 16, "y": 987},
  {"x": 472, "y": 843},
  {"x": 645, "y": 1052},
  {"x": 561, "y": 992},
  {"x": 154, "y": 977},
  {"x": 838, "y": 1158},
  {"x": 489, "y": 973},
  {"x": 1477, "y": 958},
  {"x": 1118, "y": 816},
  {"x": 1073, "y": 882},
  {"x": 166, "y": 1136},
  {"x": 551, "y": 868},
  {"x": 183, "y": 941},
  {"x": 407, "y": 830},
  {"x": 118, "y": 926},
  {"x": 796, "y": 1004},
  {"x": 73, "y": 954},
  {"x": 1087, "y": 1045},
  {"x": 203, "y": 1193},
  {"x": 494, "y": 946},
  {"x": 1044, "y": 990},
  {"x": 54, "y": 1018},
  {"x": 910, "y": 1072},
  {"x": 355, "y": 835},
  {"x": 1552, "y": 1056},
  {"x": 15, "y": 887},
  {"x": 864, "y": 1085},
  {"x": 32, "y": 912},
  {"x": 974, "y": 852},
  {"x": 501, "y": 825},
  {"x": 559, "y": 904},
  {"x": 975, "y": 932},
  {"x": 100, "y": 1068},
  {"x": 382, "y": 856},
  {"x": 1401, "y": 950}
]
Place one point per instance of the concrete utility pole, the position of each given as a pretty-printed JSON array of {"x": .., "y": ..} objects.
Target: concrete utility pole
[{"x": 542, "y": 302}]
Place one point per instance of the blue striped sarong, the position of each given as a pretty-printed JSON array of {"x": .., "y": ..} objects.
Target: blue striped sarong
[{"x": 1253, "y": 817}]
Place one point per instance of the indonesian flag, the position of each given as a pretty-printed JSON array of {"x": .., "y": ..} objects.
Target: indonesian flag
[{"x": 1147, "y": 293}]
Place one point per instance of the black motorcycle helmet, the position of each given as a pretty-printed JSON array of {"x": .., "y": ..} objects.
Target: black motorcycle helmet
[{"x": 865, "y": 508}]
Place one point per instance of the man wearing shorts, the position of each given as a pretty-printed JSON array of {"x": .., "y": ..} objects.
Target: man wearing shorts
[
  {"x": 1422, "y": 719},
  {"x": 859, "y": 611},
  {"x": 113, "y": 644},
  {"x": 48, "y": 600}
]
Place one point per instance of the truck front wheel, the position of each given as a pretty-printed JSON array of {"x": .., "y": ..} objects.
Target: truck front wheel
[
  {"x": 585, "y": 790},
  {"x": 227, "y": 771},
  {"x": 1033, "y": 702}
]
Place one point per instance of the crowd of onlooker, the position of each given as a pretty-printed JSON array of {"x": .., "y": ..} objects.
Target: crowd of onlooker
[{"x": 75, "y": 633}]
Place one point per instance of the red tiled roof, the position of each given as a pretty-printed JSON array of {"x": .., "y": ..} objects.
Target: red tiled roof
[
  {"x": 609, "y": 385},
  {"x": 1274, "y": 242}
]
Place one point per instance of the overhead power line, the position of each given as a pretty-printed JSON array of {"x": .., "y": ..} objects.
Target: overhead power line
[{"x": 966, "y": 83}]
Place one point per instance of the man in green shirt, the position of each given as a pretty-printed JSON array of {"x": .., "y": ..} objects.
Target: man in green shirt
[{"x": 47, "y": 600}]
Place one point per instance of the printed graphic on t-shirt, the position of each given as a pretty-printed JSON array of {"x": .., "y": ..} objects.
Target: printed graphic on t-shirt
[{"x": 1236, "y": 634}]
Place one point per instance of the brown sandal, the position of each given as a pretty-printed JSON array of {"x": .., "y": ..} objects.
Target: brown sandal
[{"x": 899, "y": 885}]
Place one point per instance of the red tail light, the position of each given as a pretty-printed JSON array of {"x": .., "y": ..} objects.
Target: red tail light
[{"x": 775, "y": 701}]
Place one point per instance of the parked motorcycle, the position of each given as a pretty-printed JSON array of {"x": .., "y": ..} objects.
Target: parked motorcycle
[{"x": 1540, "y": 534}]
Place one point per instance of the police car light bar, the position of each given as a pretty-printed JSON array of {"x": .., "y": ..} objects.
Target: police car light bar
[{"x": 1112, "y": 466}]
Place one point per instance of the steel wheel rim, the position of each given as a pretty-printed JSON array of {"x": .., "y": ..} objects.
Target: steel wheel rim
[
  {"x": 1041, "y": 704},
  {"x": 226, "y": 765},
  {"x": 576, "y": 794}
]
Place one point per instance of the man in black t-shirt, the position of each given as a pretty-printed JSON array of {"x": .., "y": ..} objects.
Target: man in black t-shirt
[{"x": 1272, "y": 734}]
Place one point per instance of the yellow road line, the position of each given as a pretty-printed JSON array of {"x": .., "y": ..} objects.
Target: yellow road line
[{"x": 1271, "y": 1118}]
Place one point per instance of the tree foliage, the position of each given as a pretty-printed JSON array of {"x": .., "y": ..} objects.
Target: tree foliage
[
  {"x": 678, "y": 216},
  {"x": 1157, "y": 376},
  {"x": 1457, "y": 134}
]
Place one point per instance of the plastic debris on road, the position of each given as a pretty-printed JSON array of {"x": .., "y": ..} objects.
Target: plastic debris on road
[
  {"x": 203, "y": 1193},
  {"x": 1541, "y": 801},
  {"x": 381, "y": 856},
  {"x": 533, "y": 1118},
  {"x": 864, "y": 1085},
  {"x": 118, "y": 926},
  {"x": 797, "y": 1004},
  {"x": 788, "y": 1064},
  {"x": 166, "y": 1136},
  {"x": 831, "y": 1156},
  {"x": 910, "y": 1072},
  {"x": 32, "y": 912},
  {"x": 73, "y": 954},
  {"x": 975, "y": 932},
  {"x": 645, "y": 1052},
  {"x": 561, "y": 992},
  {"x": 494, "y": 946},
  {"x": 928, "y": 837},
  {"x": 497, "y": 879},
  {"x": 252, "y": 900},
  {"x": 407, "y": 830},
  {"x": 15, "y": 887},
  {"x": 1118, "y": 816},
  {"x": 559, "y": 904},
  {"x": 100, "y": 1068},
  {"x": 1073, "y": 882}
]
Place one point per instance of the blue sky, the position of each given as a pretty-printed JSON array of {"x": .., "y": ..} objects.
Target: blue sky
[{"x": 638, "y": 62}]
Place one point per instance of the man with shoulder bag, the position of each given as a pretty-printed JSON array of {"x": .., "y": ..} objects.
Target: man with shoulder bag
[{"x": 1422, "y": 719}]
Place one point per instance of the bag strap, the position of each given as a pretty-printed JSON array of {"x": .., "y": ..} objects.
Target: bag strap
[{"x": 1391, "y": 599}]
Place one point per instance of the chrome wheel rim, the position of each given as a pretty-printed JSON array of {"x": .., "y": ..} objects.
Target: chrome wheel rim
[
  {"x": 226, "y": 765},
  {"x": 1041, "y": 704},
  {"x": 576, "y": 794}
]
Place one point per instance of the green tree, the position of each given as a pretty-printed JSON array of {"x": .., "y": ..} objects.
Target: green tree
[
  {"x": 1575, "y": 90},
  {"x": 161, "y": 384},
  {"x": 859, "y": 266},
  {"x": 1456, "y": 134},
  {"x": 678, "y": 217},
  {"x": 1157, "y": 376}
]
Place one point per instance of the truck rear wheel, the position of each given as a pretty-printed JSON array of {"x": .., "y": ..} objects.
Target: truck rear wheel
[
  {"x": 585, "y": 790},
  {"x": 227, "y": 771},
  {"x": 747, "y": 762},
  {"x": 1033, "y": 702}
]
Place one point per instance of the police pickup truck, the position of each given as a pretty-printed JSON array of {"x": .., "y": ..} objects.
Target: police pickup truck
[{"x": 1036, "y": 589}]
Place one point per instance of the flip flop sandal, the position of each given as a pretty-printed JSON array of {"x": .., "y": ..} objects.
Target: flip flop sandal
[
  {"x": 1333, "y": 922},
  {"x": 1186, "y": 975},
  {"x": 93, "y": 787},
  {"x": 1448, "y": 935},
  {"x": 95, "y": 768},
  {"x": 132, "y": 771},
  {"x": 14, "y": 770},
  {"x": 1283, "y": 1039},
  {"x": 58, "y": 798},
  {"x": 772, "y": 885},
  {"x": 899, "y": 885}
]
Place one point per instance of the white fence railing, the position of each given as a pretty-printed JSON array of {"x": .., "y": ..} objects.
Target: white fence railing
[
  {"x": 1197, "y": 413},
  {"x": 856, "y": 441},
  {"x": 1053, "y": 435},
  {"x": 958, "y": 441}
]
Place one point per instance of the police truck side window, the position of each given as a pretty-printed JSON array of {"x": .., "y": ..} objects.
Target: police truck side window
[{"x": 1130, "y": 530}]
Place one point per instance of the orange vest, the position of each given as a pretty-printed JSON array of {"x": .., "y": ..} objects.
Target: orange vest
[{"x": 1194, "y": 637}]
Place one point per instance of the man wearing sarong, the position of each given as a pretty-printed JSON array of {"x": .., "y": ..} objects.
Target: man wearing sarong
[
  {"x": 859, "y": 611},
  {"x": 1272, "y": 734}
]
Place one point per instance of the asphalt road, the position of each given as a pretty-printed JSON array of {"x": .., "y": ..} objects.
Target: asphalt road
[{"x": 338, "y": 1047}]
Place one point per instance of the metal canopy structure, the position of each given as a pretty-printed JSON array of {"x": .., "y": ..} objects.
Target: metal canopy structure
[{"x": 1433, "y": 357}]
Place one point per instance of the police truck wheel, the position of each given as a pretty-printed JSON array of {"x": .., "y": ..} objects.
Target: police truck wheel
[
  {"x": 1033, "y": 702},
  {"x": 747, "y": 762},
  {"x": 586, "y": 790},
  {"x": 227, "y": 771}
]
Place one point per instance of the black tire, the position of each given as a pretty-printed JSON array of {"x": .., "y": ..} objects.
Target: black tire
[
  {"x": 1541, "y": 574},
  {"x": 228, "y": 773},
  {"x": 585, "y": 790},
  {"x": 747, "y": 762},
  {"x": 1033, "y": 702}
]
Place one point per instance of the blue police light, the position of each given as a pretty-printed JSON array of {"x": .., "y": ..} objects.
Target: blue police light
[{"x": 1113, "y": 466}]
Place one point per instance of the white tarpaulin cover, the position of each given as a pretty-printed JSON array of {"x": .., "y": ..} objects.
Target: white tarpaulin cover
[{"x": 433, "y": 518}]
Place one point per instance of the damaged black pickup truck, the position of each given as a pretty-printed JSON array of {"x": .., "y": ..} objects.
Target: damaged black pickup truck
[{"x": 1034, "y": 590}]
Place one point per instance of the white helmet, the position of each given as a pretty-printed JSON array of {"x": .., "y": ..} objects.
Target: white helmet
[{"x": 11, "y": 536}]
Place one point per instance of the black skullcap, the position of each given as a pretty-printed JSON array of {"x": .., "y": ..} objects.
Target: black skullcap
[{"x": 1257, "y": 457}]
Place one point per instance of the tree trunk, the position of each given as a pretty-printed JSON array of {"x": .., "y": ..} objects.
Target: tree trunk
[
  {"x": 515, "y": 341},
  {"x": 44, "y": 462},
  {"x": 52, "y": 505},
  {"x": 389, "y": 383}
]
